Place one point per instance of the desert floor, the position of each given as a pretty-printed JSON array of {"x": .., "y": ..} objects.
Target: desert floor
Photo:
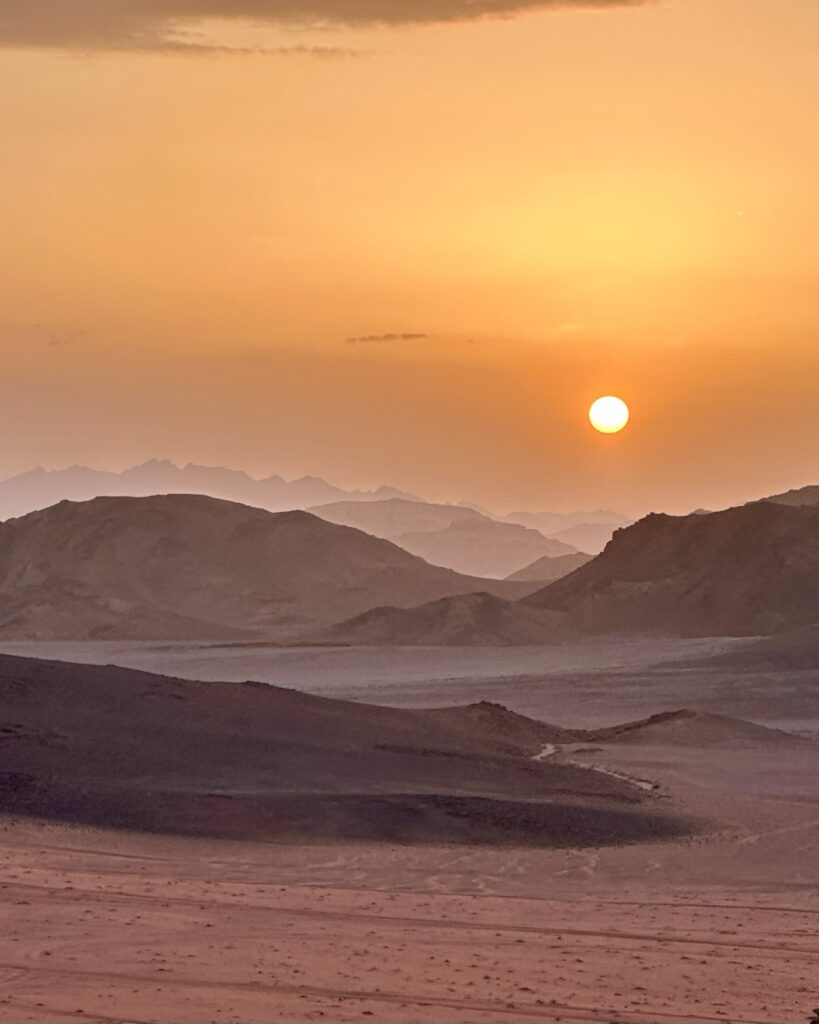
[
  {"x": 590, "y": 684},
  {"x": 108, "y": 926}
]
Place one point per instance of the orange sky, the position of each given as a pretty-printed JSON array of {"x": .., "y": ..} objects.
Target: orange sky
[{"x": 565, "y": 203}]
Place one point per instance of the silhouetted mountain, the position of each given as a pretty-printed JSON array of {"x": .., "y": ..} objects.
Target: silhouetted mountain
[
  {"x": 551, "y": 568},
  {"x": 743, "y": 572},
  {"x": 803, "y": 496},
  {"x": 469, "y": 620},
  {"x": 551, "y": 523},
  {"x": 390, "y": 519},
  {"x": 42, "y": 488},
  {"x": 116, "y": 748},
  {"x": 588, "y": 532},
  {"x": 481, "y": 547},
  {"x": 187, "y": 566},
  {"x": 454, "y": 536},
  {"x": 587, "y": 537}
]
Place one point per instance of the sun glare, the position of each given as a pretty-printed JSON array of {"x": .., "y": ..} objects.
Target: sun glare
[{"x": 609, "y": 415}]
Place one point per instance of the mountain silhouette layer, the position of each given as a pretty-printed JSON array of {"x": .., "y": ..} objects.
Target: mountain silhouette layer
[
  {"x": 42, "y": 488},
  {"x": 454, "y": 536},
  {"x": 483, "y": 547},
  {"x": 192, "y": 567},
  {"x": 392, "y": 517},
  {"x": 587, "y": 537},
  {"x": 748, "y": 571},
  {"x": 550, "y": 568},
  {"x": 800, "y": 496}
]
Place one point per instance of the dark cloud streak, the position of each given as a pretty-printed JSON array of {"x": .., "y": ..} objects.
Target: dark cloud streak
[
  {"x": 165, "y": 25},
  {"x": 385, "y": 339}
]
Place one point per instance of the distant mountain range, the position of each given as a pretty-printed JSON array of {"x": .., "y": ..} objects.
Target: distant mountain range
[
  {"x": 192, "y": 567},
  {"x": 408, "y": 514},
  {"x": 454, "y": 536},
  {"x": 390, "y": 519},
  {"x": 42, "y": 488},
  {"x": 481, "y": 547},
  {"x": 187, "y": 567},
  {"x": 584, "y": 531},
  {"x": 589, "y": 538}
]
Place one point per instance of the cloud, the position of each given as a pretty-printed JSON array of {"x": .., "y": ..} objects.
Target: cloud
[
  {"x": 56, "y": 339},
  {"x": 168, "y": 25},
  {"x": 385, "y": 339},
  {"x": 47, "y": 335}
]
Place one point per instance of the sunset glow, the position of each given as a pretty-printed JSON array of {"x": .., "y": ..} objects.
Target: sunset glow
[{"x": 525, "y": 210}]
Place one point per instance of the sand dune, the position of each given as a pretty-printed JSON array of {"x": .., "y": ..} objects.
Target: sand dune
[
  {"x": 192, "y": 567},
  {"x": 691, "y": 729},
  {"x": 125, "y": 749},
  {"x": 503, "y": 725}
]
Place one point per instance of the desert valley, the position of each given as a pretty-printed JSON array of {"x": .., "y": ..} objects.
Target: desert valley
[
  {"x": 262, "y": 765},
  {"x": 409, "y": 511}
]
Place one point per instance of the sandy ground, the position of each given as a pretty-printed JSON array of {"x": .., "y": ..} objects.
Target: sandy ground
[
  {"x": 112, "y": 928},
  {"x": 106, "y": 926},
  {"x": 118, "y": 927}
]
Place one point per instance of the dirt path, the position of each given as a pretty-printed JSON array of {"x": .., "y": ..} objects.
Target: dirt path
[{"x": 550, "y": 750}]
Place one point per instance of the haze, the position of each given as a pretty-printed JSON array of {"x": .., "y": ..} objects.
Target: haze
[{"x": 413, "y": 253}]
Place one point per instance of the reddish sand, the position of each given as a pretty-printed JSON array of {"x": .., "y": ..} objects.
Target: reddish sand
[{"x": 115, "y": 927}]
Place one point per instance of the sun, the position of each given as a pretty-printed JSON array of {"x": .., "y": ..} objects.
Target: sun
[{"x": 609, "y": 415}]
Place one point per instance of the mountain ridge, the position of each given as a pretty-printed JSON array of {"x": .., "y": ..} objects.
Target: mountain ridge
[
  {"x": 747, "y": 571},
  {"x": 40, "y": 488}
]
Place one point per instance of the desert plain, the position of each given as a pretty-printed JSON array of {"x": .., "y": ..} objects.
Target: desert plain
[
  {"x": 721, "y": 924},
  {"x": 409, "y": 511}
]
